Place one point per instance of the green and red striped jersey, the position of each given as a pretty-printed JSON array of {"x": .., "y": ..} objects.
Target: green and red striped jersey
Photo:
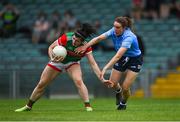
[{"x": 66, "y": 41}]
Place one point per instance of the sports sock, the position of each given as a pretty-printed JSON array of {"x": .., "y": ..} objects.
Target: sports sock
[
  {"x": 118, "y": 87},
  {"x": 30, "y": 103},
  {"x": 122, "y": 103},
  {"x": 118, "y": 90},
  {"x": 87, "y": 104},
  {"x": 126, "y": 94}
]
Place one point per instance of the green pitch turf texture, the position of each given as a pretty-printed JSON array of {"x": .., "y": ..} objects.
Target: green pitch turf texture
[{"x": 104, "y": 110}]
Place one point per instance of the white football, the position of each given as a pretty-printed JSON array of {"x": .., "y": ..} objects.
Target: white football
[{"x": 60, "y": 51}]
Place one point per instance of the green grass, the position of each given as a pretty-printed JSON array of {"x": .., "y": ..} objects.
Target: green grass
[{"x": 104, "y": 109}]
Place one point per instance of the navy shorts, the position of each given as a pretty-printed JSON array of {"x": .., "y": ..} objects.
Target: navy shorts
[{"x": 132, "y": 63}]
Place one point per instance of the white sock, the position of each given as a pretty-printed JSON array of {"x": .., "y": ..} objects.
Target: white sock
[{"x": 119, "y": 90}]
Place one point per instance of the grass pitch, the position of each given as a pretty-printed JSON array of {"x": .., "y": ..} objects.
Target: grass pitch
[{"x": 104, "y": 110}]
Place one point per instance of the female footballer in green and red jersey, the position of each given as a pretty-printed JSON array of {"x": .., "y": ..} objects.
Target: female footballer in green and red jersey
[{"x": 70, "y": 64}]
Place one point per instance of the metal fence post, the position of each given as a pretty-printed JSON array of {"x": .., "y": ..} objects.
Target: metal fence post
[
  {"x": 14, "y": 84},
  {"x": 13, "y": 89}
]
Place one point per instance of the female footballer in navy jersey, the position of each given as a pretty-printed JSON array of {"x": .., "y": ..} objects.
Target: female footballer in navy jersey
[{"x": 127, "y": 59}]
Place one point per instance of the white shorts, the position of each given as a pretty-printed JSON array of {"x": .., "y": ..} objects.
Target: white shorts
[{"x": 60, "y": 66}]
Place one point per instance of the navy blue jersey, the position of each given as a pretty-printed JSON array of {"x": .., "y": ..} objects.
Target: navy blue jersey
[{"x": 127, "y": 39}]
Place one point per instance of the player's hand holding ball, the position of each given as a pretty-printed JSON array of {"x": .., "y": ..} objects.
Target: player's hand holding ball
[
  {"x": 57, "y": 59},
  {"x": 58, "y": 54}
]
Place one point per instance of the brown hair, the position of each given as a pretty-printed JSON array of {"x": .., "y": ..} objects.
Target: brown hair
[{"x": 124, "y": 21}]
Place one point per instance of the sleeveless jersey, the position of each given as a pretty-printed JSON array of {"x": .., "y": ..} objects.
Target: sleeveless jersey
[{"x": 66, "y": 41}]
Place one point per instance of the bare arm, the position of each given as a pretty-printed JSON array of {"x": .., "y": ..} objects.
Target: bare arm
[
  {"x": 97, "y": 71},
  {"x": 118, "y": 55},
  {"x": 95, "y": 40},
  {"x": 93, "y": 64}
]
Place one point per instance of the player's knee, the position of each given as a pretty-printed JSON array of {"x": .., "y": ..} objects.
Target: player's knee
[
  {"x": 41, "y": 85},
  {"x": 79, "y": 83}
]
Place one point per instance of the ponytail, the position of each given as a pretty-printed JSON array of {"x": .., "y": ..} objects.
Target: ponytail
[{"x": 129, "y": 22}]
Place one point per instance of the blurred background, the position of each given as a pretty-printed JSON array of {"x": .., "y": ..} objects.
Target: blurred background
[{"x": 28, "y": 27}]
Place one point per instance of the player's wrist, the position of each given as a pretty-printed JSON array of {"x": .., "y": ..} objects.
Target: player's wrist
[{"x": 105, "y": 68}]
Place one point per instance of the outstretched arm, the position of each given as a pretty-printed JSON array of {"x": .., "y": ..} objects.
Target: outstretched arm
[
  {"x": 95, "y": 40},
  {"x": 96, "y": 69},
  {"x": 118, "y": 55},
  {"x": 93, "y": 64}
]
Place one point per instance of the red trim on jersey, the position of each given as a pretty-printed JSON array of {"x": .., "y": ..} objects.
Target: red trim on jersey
[
  {"x": 62, "y": 40},
  {"x": 70, "y": 65},
  {"x": 89, "y": 49},
  {"x": 55, "y": 68}
]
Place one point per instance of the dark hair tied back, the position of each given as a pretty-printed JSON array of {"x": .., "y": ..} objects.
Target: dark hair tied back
[{"x": 85, "y": 31}]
